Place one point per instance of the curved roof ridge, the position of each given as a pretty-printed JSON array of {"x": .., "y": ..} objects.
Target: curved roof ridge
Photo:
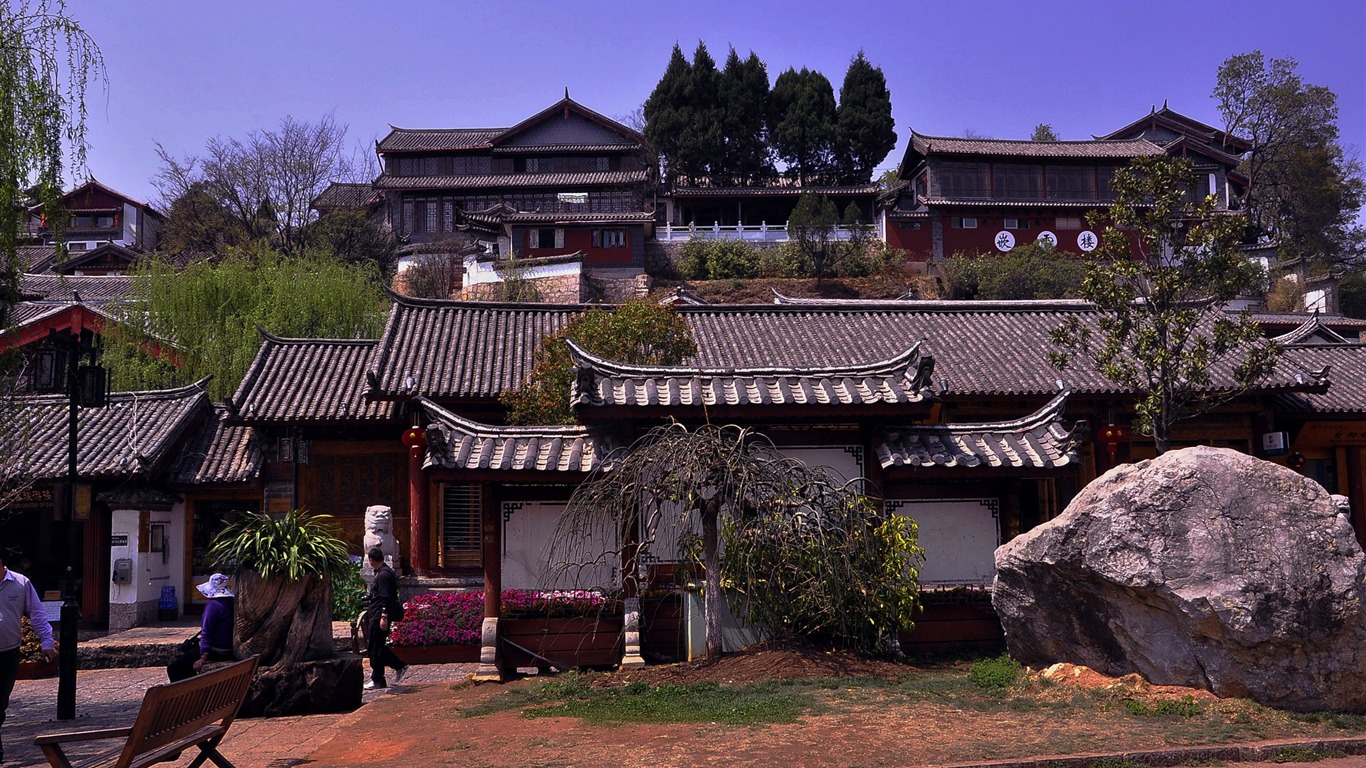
[
  {"x": 482, "y": 429},
  {"x": 899, "y": 363},
  {"x": 1313, "y": 326},
  {"x": 1048, "y": 413}
]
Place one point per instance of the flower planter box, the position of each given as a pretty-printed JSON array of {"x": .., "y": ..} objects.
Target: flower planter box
[
  {"x": 33, "y": 670},
  {"x": 581, "y": 641},
  {"x": 438, "y": 654}
]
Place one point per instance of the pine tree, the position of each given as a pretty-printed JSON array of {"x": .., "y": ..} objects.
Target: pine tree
[
  {"x": 666, "y": 112},
  {"x": 743, "y": 103},
  {"x": 802, "y": 123},
  {"x": 866, "y": 131},
  {"x": 703, "y": 144}
]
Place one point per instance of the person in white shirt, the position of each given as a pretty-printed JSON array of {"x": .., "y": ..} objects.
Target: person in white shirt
[{"x": 18, "y": 598}]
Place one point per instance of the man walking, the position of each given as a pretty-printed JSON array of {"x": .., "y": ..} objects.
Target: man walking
[
  {"x": 380, "y": 602},
  {"x": 18, "y": 598}
]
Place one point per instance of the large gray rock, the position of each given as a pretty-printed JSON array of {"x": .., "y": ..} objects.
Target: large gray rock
[{"x": 1203, "y": 567}]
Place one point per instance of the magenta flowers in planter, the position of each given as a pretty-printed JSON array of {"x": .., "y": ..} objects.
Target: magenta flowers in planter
[{"x": 456, "y": 618}]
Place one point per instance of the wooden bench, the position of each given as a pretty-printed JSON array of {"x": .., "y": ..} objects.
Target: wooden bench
[{"x": 175, "y": 716}]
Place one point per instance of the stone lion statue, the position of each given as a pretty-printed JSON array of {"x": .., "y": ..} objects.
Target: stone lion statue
[{"x": 379, "y": 532}]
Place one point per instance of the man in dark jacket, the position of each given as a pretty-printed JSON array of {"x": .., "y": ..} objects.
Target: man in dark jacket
[{"x": 380, "y": 600}]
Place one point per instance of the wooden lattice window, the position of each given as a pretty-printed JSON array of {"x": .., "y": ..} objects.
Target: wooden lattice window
[{"x": 459, "y": 519}]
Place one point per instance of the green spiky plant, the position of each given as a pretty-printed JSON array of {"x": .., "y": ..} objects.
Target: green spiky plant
[{"x": 284, "y": 567}]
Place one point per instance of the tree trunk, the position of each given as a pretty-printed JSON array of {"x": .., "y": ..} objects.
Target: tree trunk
[
  {"x": 714, "y": 601},
  {"x": 284, "y": 621}
]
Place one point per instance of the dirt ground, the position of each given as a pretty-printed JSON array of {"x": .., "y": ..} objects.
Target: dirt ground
[{"x": 424, "y": 726}]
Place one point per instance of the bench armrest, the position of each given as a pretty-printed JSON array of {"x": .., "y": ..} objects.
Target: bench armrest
[{"x": 102, "y": 733}]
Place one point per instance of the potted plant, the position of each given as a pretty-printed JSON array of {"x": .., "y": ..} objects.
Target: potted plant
[
  {"x": 32, "y": 663},
  {"x": 284, "y": 566}
]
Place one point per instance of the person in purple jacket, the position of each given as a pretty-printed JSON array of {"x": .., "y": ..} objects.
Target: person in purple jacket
[{"x": 215, "y": 633}]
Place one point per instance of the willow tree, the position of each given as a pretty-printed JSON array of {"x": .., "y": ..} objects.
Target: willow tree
[
  {"x": 206, "y": 319},
  {"x": 1164, "y": 271},
  {"x": 46, "y": 63},
  {"x": 808, "y": 554}
]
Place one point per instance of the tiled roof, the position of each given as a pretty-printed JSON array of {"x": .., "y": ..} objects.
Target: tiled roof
[
  {"x": 91, "y": 288},
  {"x": 601, "y": 382},
  {"x": 978, "y": 202},
  {"x": 36, "y": 258},
  {"x": 437, "y": 139},
  {"x": 774, "y": 191},
  {"x": 1118, "y": 149},
  {"x": 1291, "y": 320},
  {"x": 474, "y": 350},
  {"x": 1312, "y": 330},
  {"x": 133, "y": 437},
  {"x": 219, "y": 452},
  {"x": 1038, "y": 441},
  {"x": 634, "y": 217},
  {"x": 540, "y": 149},
  {"x": 457, "y": 443},
  {"x": 1346, "y": 364},
  {"x": 811, "y": 301},
  {"x": 27, "y": 313},
  {"x": 344, "y": 195},
  {"x": 453, "y": 349},
  {"x": 512, "y": 180},
  {"x": 308, "y": 380},
  {"x": 980, "y": 348}
]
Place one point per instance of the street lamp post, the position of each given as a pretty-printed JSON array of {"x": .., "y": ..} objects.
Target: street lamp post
[{"x": 85, "y": 385}]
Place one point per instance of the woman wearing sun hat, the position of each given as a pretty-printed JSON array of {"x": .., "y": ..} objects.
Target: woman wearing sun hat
[{"x": 215, "y": 633}]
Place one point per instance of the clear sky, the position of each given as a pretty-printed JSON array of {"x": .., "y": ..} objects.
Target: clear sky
[{"x": 182, "y": 71}]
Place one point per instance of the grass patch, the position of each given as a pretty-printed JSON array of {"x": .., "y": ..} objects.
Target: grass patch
[
  {"x": 1304, "y": 755},
  {"x": 766, "y": 702},
  {"x": 995, "y": 674},
  {"x": 1186, "y": 706}
]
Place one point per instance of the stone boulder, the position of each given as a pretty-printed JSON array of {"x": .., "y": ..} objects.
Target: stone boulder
[{"x": 1204, "y": 567}]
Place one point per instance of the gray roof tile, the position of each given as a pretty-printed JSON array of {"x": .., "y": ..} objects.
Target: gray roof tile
[
  {"x": 1037, "y": 441},
  {"x": 308, "y": 380},
  {"x": 457, "y": 443},
  {"x": 133, "y": 437},
  {"x": 512, "y": 180},
  {"x": 219, "y": 452}
]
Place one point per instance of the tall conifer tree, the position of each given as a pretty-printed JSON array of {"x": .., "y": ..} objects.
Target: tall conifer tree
[
  {"x": 702, "y": 145},
  {"x": 744, "y": 101},
  {"x": 666, "y": 111},
  {"x": 866, "y": 131},
  {"x": 802, "y": 122}
]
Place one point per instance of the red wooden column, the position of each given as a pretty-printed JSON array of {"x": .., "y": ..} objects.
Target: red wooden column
[{"x": 419, "y": 526}]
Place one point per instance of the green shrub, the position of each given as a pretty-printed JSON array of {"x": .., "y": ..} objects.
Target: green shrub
[
  {"x": 708, "y": 259},
  {"x": 348, "y": 593},
  {"x": 289, "y": 546},
  {"x": 786, "y": 260},
  {"x": 998, "y": 673},
  {"x": 1186, "y": 706},
  {"x": 692, "y": 260}
]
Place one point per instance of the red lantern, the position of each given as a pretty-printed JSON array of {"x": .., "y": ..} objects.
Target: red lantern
[
  {"x": 1111, "y": 436},
  {"x": 416, "y": 440}
]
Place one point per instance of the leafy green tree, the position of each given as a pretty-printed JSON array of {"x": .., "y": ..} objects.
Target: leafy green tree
[
  {"x": 743, "y": 106},
  {"x": 46, "y": 64},
  {"x": 865, "y": 131},
  {"x": 812, "y": 227},
  {"x": 666, "y": 112},
  {"x": 181, "y": 326},
  {"x": 197, "y": 222},
  {"x": 354, "y": 237},
  {"x": 1304, "y": 192},
  {"x": 1043, "y": 132},
  {"x": 703, "y": 145},
  {"x": 804, "y": 551},
  {"x": 1030, "y": 271},
  {"x": 1352, "y": 295},
  {"x": 802, "y": 123},
  {"x": 1162, "y": 274},
  {"x": 638, "y": 331}
]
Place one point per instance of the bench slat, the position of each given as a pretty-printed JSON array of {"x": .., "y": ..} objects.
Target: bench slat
[{"x": 172, "y": 718}]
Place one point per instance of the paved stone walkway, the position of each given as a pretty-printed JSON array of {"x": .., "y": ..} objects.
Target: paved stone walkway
[{"x": 109, "y": 697}]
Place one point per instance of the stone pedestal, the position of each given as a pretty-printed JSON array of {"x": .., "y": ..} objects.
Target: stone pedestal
[
  {"x": 489, "y": 663},
  {"x": 630, "y": 631},
  {"x": 325, "y": 685}
]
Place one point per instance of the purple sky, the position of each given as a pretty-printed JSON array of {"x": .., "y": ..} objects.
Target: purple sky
[{"x": 182, "y": 72}]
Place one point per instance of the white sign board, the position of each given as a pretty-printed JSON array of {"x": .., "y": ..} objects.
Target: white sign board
[{"x": 960, "y": 537}]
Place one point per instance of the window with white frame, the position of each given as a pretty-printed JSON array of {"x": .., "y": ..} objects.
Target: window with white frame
[
  {"x": 609, "y": 238},
  {"x": 964, "y": 222},
  {"x": 545, "y": 238},
  {"x": 1017, "y": 223}
]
